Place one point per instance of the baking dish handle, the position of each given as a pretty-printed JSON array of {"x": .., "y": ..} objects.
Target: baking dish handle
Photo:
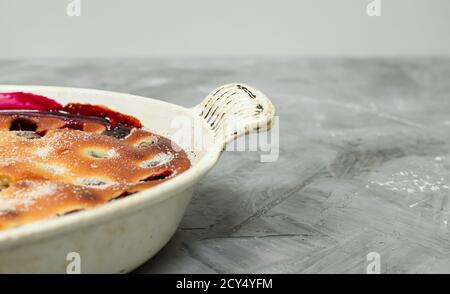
[{"x": 235, "y": 109}]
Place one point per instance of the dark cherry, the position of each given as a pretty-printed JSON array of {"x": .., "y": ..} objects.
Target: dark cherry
[
  {"x": 119, "y": 131},
  {"x": 160, "y": 176}
]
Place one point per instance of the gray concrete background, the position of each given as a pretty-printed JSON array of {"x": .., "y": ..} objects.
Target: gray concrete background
[
  {"x": 364, "y": 162},
  {"x": 177, "y": 28}
]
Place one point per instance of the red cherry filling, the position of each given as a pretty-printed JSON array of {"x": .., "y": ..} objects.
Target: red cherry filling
[
  {"x": 26, "y": 105},
  {"x": 114, "y": 117},
  {"x": 21, "y": 100}
]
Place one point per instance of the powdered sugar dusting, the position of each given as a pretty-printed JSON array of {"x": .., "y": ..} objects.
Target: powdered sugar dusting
[
  {"x": 157, "y": 160},
  {"x": 8, "y": 205},
  {"x": 54, "y": 173},
  {"x": 412, "y": 178},
  {"x": 26, "y": 197},
  {"x": 43, "y": 151},
  {"x": 45, "y": 189}
]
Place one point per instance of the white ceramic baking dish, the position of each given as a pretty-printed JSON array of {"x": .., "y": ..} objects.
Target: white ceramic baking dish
[{"x": 119, "y": 236}]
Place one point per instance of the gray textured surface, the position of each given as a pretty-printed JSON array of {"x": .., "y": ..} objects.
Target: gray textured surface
[{"x": 363, "y": 164}]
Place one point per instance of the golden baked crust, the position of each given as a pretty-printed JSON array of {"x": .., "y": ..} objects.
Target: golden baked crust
[{"x": 63, "y": 170}]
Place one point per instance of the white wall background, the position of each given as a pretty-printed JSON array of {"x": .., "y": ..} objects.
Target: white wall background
[{"x": 136, "y": 28}]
